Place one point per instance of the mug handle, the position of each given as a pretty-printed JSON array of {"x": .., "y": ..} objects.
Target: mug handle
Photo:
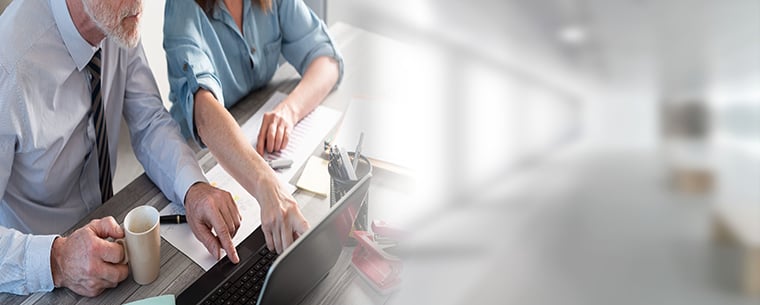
[{"x": 123, "y": 243}]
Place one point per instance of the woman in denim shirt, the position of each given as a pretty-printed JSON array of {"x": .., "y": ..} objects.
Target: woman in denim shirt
[{"x": 218, "y": 51}]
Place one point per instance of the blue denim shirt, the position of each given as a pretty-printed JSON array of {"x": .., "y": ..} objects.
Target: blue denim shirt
[{"x": 208, "y": 51}]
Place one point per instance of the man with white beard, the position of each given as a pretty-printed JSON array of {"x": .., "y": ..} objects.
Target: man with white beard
[{"x": 69, "y": 70}]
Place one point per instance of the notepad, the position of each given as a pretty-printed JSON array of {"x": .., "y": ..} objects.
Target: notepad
[{"x": 315, "y": 177}]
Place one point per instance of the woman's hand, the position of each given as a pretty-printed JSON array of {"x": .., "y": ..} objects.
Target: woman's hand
[
  {"x": 281, "y": 219},
  {"x": 275, "y": 129}
]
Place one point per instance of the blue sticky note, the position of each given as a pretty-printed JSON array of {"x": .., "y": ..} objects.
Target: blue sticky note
[{"x": 167, "y": 299}]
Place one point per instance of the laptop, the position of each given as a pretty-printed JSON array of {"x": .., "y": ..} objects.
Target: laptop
[{"x": 263, "y": 277}]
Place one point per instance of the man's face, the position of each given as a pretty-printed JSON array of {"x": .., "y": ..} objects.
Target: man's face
[{"x": 118, "y": 19}]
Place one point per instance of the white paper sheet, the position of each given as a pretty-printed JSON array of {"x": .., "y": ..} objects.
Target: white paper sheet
[
  {"x": 182, "y": 238},
  {"x": 307, "y": 135}
]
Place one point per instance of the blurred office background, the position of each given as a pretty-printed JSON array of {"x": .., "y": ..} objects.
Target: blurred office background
[
  {"x": 585, "y": 151},
  {"x": 566, "y": 151}
]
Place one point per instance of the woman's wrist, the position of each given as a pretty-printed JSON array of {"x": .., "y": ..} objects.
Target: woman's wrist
[
  {"x": 289, "y": 110},
  {"x": 265, "y": 179}
]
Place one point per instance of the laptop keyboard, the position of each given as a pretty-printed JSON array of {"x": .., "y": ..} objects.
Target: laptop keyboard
[{"x": 244, "y": 288}]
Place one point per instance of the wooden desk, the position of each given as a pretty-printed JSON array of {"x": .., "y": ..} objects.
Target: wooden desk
[{"x": 342, "y": 285}]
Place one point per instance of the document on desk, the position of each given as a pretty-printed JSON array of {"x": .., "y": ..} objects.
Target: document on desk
[
  {"x": 307, "y": 135},
  {"x": 182, "y": 238}
]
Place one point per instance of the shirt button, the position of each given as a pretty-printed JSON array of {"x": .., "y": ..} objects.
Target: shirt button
[
  {"x": 253, "y": 50},
  {"x": 184, "y": 67}
]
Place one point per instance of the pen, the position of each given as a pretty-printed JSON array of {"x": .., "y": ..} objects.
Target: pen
[
  {"x": 326, "y": 145},
  {"x": 175, "y": 219},
  {"x": 332, "y": 165},
  {"x": 346, "y": 166},
  {"x": 358, "y": 151}
]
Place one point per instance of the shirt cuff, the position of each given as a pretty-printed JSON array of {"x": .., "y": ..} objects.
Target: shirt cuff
[
  {"x": 187, "y": 176},
  {"x": 210, "y": 83},
  {"x": 327, "y": 51},
  {"x": 37, "y": 264}
]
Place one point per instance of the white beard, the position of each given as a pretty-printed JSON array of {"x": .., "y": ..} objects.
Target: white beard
[{"x": 110, "y": 21}]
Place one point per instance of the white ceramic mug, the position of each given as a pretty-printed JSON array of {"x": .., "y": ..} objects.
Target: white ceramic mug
[{"x": 142, "y": 243}]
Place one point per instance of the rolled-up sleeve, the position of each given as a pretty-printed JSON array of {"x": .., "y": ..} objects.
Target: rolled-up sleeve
[
  {"x": 189, "y": 64},
  {"x": 156, "y": 140},
  {"x": 305, "y": 36}
]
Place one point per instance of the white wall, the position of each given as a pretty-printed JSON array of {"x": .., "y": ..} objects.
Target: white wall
[
  {"x": 151, "y": 29},
  {"x": 620, "y": 118}
]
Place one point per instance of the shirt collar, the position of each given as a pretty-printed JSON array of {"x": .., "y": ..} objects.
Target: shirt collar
[
  {"x": 217, "y": 12},
  {"x": 220, "y": 10},
  {"x": 80, "y": 50}
]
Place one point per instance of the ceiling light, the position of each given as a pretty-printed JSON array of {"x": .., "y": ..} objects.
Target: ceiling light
[{"x": 573, "y": 35}]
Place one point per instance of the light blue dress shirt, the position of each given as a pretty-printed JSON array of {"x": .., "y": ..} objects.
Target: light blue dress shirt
[
  {"x": 48, "y": 164},
  {"x": 208, "y": 51}
]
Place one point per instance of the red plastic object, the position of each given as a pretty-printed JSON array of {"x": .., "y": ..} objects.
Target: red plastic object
[
  {"x": 384, "y": 229},
  {"x": 381, "y": 270}
]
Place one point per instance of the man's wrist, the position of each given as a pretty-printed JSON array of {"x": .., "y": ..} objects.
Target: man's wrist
[
  {"x": 190, "y": 189},
  {"x": 55, "y": 268}
]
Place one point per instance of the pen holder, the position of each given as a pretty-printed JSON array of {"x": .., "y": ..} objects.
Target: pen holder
[{"x": 339, "y": 187}]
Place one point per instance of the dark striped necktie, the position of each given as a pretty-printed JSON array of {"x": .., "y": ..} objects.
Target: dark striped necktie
[{"x": 101, "y": 134}]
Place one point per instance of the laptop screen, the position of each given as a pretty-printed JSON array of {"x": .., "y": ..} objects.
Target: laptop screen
[{"x": 303, "y": 265}]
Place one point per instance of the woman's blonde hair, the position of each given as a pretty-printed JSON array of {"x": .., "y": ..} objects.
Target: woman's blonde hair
[{"x": 208, "y": 5}]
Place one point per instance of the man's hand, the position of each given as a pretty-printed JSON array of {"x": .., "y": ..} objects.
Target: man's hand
[
  {"x": 275, "y": 130},
  {"x": 281, "y": 220},
  {"x": 211, "y": 208},
  {"x": 85, "y": 262}
]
